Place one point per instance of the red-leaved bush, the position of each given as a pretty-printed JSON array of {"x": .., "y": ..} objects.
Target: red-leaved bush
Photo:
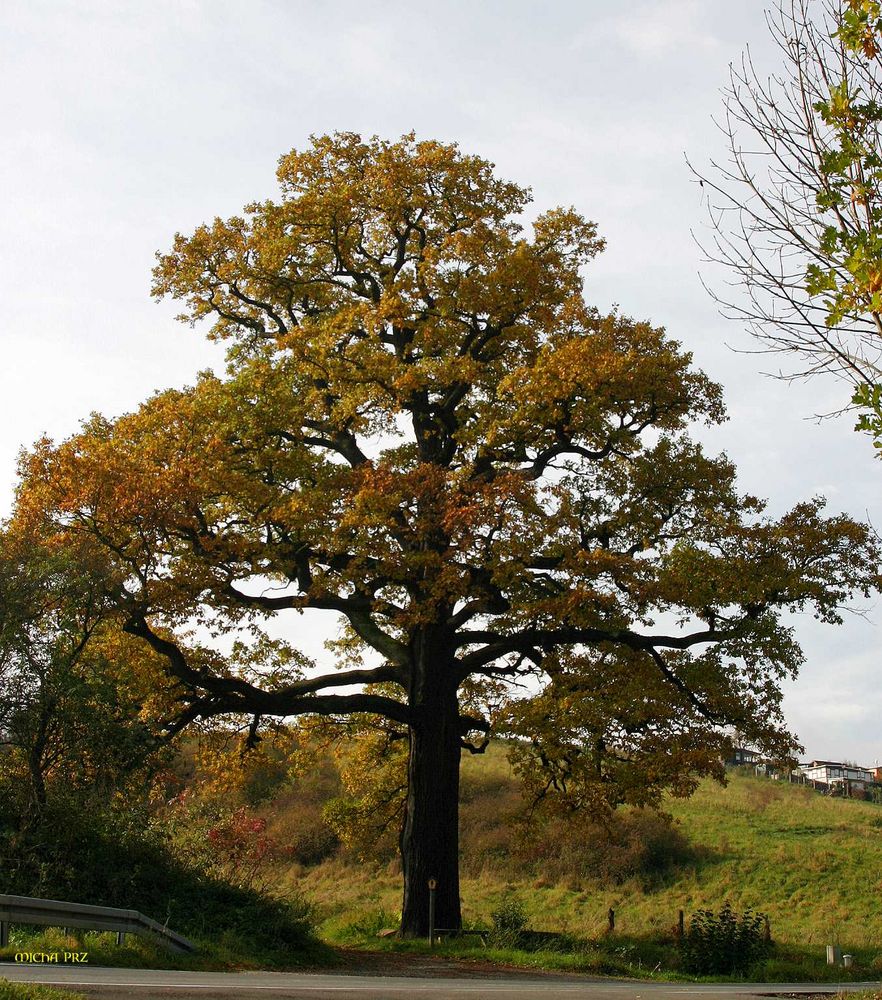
[{"x": 242, "y": 850}]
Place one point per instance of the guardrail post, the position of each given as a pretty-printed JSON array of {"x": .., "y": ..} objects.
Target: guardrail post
[{"x": 120, "y": 937}]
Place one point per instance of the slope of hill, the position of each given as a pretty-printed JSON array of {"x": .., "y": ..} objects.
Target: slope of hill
[{"x": 813, "y": 864}]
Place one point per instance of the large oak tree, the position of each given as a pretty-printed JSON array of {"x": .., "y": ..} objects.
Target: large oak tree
[{"x": 425, "y": 430}]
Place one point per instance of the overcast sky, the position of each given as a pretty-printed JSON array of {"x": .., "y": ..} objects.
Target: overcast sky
[{"x": 125, "y": 122}]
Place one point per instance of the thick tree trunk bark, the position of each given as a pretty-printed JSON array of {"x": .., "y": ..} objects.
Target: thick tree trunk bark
[{"x": 430, "y": 832}]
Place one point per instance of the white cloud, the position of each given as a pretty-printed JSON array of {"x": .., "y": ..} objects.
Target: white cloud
[{"x": 658, "y": 29}]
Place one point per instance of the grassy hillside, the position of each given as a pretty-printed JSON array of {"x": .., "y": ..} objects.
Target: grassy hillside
[{"x": 812, "y": 863}]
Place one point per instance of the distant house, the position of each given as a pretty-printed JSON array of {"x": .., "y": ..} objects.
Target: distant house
[
  {"x": 741, "y": 755},
  {"x": 832, "y": 772}
]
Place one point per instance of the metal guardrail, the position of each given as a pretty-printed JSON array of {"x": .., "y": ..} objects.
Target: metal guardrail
[{"x": 56, "y": 913}]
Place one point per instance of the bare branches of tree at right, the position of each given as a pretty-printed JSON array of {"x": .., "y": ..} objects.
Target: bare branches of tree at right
[{"x": 795, "y": 210}]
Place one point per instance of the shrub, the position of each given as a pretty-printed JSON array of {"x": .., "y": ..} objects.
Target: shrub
[
  {"x": 509, "y": 920},
  {"x": 111, "y": 854},
  {"x": 243, "y": 849},
  {"x": 724, "y": 943},
  {"x": 635, "y": 843},
  {"x": 297, "y": 824},
  {"x": 229, "y": 844}
]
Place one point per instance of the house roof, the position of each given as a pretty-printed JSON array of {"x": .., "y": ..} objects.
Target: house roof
[{"x": 837, "y": 763}]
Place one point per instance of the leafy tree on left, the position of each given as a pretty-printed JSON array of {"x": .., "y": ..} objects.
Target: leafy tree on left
[
  {"x": 87, "y": 730},
  {"x": 76, "y": 696}
]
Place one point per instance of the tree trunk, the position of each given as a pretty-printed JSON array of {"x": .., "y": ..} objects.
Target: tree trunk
[
  {"x": 36, "y": 762},
  {"x": 38, "y": 781},
  {"x": 430, "y": 832}
]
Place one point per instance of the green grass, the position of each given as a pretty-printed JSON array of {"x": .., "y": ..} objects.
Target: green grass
[
  {"x": 227, "y": 951},
  {"x": 28, "y": 991},
  {"x": 810, "y": 862},
  {"x": 110, "y": 858},
  {"x": 632, "y": 957},
  {"x": 640, "y": 958}
]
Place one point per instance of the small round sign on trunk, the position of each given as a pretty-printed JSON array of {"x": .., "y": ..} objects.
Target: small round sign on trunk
[{"x": 432, "y": 883}]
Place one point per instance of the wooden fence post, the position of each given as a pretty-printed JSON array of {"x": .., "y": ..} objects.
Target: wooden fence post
[
  {"x": 680, "y": 925},
  {"x": 611, "y": 917},
  {"x": 433, "y": 884}
]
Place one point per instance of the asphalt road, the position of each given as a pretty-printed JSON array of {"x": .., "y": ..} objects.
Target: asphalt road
[{"x": 146, "y": 984}]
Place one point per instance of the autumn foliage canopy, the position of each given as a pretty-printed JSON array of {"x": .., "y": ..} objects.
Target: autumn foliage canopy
[{"x": 426, "y": 431}]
